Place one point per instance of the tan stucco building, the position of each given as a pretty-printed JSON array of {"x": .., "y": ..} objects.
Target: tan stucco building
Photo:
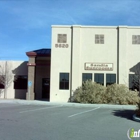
[{"x": 104, "y": 54}]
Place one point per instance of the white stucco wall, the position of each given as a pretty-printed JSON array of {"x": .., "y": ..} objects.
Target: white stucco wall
[
  {"x": 60, "y": 62},
  {"x": 133, "y": 50},
  {"x": 15, "y": 68},
  {"x": 117, "y": 49},
  {"x": 96, "y": 53}
]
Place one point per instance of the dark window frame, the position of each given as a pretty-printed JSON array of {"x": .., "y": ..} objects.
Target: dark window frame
[
  {"x": 64, "y": 83},
  {"x": 87, "y": 75},
  {"x": 134, "y": 84},
  {"x": 2, "y": 86},
  {"x": 98, "y": 81},
  {"x": 110, "y": 79},
  {"x": 20, "y": 82}
]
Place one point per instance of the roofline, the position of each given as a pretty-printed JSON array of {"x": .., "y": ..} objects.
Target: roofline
[
  {"x": 34, "y": 54},
  {"x": 86, "y": 26}
]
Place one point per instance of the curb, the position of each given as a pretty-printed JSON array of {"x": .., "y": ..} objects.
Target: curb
[
  {"x": 136, "y": 118},
  {"x": 36, "y": 102}
]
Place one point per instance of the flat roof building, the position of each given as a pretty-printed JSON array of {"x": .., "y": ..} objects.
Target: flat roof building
[{"x": 104, "y": 54}]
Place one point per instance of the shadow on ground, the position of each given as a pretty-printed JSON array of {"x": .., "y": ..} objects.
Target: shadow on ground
[{"x": 128, "y": 114}]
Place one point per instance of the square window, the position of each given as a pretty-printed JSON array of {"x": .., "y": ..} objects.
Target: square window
[
  {"x": 62, "y": 38},
  {"x": 135, "y": 39},
  {"x": 99, "y": 39}
]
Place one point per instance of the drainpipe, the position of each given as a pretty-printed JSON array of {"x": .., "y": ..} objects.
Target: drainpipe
[
  {"x": 118, "y": 55},
  {"x": 71, "y": 62}
]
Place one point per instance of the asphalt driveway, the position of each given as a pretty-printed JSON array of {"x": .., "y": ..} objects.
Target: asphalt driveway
[{"x": 31, "y": 121}]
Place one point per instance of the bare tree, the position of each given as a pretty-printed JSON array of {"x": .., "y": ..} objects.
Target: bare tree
[{"x": 6, "y": 77}]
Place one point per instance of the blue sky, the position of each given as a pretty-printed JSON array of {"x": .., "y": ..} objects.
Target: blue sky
[{"x": 25, "y": 25}]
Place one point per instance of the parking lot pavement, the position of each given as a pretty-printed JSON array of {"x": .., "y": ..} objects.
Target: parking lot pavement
[{"x": 61, "y": 122}]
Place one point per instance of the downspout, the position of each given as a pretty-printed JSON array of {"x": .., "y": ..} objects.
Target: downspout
[
  {"x": 118, "y": 55},
  {"x": 71, "y": 63}
]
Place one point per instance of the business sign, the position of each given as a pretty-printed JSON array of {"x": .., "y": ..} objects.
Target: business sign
[{"x": 99, "y": 66}]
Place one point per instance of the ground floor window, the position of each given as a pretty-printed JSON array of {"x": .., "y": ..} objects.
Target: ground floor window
[
  {"x": 134, "y": 82},
  {"x": 86, "y": 76},
  {"x": 64, "y": 81},
  {"x": 20, "y": 82},
  {"x": 110, "y": 79},
  {"x": 99, "y": 78},
  {"x": 2, "y": 81}
]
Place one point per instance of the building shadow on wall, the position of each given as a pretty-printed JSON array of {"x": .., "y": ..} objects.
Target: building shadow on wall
[
  {"x": 20, "y": 71},
  {"x": 135, "y": 69},
  {"x": 134, "y": 78}
]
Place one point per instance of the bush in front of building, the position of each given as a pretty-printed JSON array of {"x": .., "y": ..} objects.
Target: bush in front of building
[
  {"x": 138, "y": 110},
  {"x": 120, "y": 94},
  {"x": 89, "y": 92},
  {"x": 94, "y": 93}
]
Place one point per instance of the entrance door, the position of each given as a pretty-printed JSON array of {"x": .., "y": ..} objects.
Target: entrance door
[{"x": 46, "y": 88}]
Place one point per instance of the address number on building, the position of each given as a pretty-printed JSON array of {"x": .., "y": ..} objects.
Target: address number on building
[{"x": 61, "y": 45}]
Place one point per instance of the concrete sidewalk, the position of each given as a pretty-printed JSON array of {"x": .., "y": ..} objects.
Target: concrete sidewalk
[{"x": 37, "y": 102}]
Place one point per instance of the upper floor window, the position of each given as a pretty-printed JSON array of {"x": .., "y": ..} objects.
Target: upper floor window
[
  {"x": 86, "y": 76},
  {"x": 99, "y": 39},
  {"x": 20, "y": 82},
  {"x": 64, "y": 81},
  {"x": 135, "y": 39},
  {"x": 62, "y": 38}
]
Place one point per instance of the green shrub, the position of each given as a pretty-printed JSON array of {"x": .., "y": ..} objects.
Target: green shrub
[{"x": 91, "y": 92}]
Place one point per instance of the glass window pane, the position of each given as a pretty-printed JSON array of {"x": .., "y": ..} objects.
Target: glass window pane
[
  {"x": 99, "y": 39},
  {"x": 64, "y": 38},
  {"x": 107, "y": 78},
  {"x": 62, "y": 77},
  {"x": 99, "y": 78},
  {"x": 89, "y": 76},
  {"x": 20, "y": 82},
  {"x": 62, "y": 85},
  {"x": 66, "y": 85},
  {"x": 96, "y": 77},
  {"x": 86, "y": 76},
  {"x": 66, "y": 76},
  {"x": 113, "y": 78},
  {"x": 110, "y": 79},
  {"x": 133, "y": 82},
  {"x": 2, "y": 79},
  {"x": 64, "y": 81}
]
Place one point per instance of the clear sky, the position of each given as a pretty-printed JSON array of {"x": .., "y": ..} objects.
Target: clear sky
[{"x": 25, "y": 25}]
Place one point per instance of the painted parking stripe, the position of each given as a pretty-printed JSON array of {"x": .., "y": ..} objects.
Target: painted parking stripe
[
  {"x": 83, "y": 112},
  {"x": 40, "y": 109}
]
